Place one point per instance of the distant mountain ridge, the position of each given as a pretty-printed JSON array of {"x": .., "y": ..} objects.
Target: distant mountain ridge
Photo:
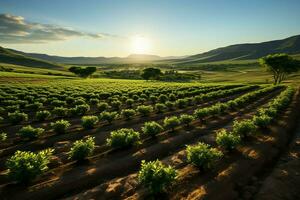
[
  {"x": 12, "y": 57},
  {"x": 246, "y": 51},
  {"x": 133, "y": 58}
]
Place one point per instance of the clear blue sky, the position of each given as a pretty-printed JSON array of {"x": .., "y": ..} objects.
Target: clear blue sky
[{"x": 167, "y": 27}]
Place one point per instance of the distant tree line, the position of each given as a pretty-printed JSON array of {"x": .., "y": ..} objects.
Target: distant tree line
[{"x": 83, "y": 72}]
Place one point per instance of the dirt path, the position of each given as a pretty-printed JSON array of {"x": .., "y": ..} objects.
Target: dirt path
[{"x": 284, "y": 180}]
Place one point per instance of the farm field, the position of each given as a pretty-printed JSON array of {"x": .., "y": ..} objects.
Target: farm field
[{"x": 92, "y": 136}]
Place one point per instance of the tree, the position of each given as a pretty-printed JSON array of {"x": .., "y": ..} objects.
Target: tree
[
  {"x": 83, "y": 72},
  {"x": 151, "y": 73},
  {"x": 280, "y": 65}
]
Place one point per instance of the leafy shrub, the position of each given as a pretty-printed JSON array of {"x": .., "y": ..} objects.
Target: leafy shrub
[
  {"x": 186, "y": 119},
  {"x": 181, "y": 103},
  {"x": 152, "y": 128},
  {"x": 153, "y": 98},
  {"x": 262, "y": 121},
  {"x": 156, "y": 176},
  {"x": 3, "y": 136},
  {"x": 228, "y": 141},
  {"x": 82, "y": 149},
  {"x": 162, "y": 98},
  {"x": 42, "y": 115},
  {"x": 123, "y": 138},
  {"x": 108, "y": 116},
  {"x": 12, "y": 108},
  {"x": 243, "y": 128},
  {"x": 30, "y": 132},
  {"x": 144, "y": 110},
  {"x": 201, "y": 113},
  {"x": 79, "y": 110},
  {"x": 94, "y": 101},
  {"x": 170, "y": 105},
  {"x": 34, "y": 106},
  {"x": 171, "y": 122},
  {"x": 60, "y": 111},
  {"x": 129, "y": 102},
  {"x": 24, "y": 166},
  {"x": 102, "y": 106},
  {"x": 116, "y": 105},
  {"x": 128, "y": 113},
  {"x": 89, "y": 122},
  {"x": 60, "y": 126},
  {"x": 58, "y": 103},
  {"x": 17, "y": 117},
  {"x": 202, "y": 155},
  {"x": 159, "y": 107}
]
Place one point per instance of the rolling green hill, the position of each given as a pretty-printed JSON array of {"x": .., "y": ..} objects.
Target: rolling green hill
[
  {"x": 10, "y": 57},
  {"x": 240, "y": 52}
]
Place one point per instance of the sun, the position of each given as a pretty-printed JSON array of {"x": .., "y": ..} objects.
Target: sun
[{"x": 140, "y": 44}]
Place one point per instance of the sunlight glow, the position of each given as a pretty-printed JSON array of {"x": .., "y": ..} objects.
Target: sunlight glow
[{"x": 140, "y": 45}]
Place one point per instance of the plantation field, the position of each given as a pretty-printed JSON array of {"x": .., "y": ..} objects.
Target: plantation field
[{"x": 68, "y": 138}]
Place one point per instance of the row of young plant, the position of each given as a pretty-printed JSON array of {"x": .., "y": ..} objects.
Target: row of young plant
[
  {"x": 89, "y": 122},
  {"x": 73, "y": 98},
  {"x": 80, "y": 106},
  {"x": 158, "y": 177},
  {"x": 24, "y": 166}
]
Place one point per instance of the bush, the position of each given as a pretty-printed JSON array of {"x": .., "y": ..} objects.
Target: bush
[
  {"x": 116, "y": 105},
  {"x": 60, "y": 126},
  {"x": 171, "y": 122},
  {"x": 17, "y": 117},
  {"x": 108, "y": 116},
  {"x": 3, "y": 136},
  {"x": 228, "y": 141},
  {"x": 159, "y": 107},
  {"x": 201, "y": 113},
  {"x": 79, "y": 110},
  {"x": 155, "y": 176},
  {"x": 186, "y": 119},
  {"x": 102, "y": 106},
  {"x": 30, "y": 132},
  {"x": 144, "y": 110},
  {"x": 162, "y": 98},
  {"x": 94, "y": 101},
  {"x": 128, "y": 113},
  {"x": 152, "y": 128},
  {"x": 123, "y": 138},
  {"x": 82, "y": 149},
  {"x": 89, "y": 122},
  {"x": 262, "y": 121},
  {"x": 170, "y": 105},
  {"x": 129, "y": 102},
  {"x": 153, "y": 98},
  {"x": 181, "y": 103},
  {"x": 42, "y": 115},
  {"x": 243, "y": 128},
  {"x": 202, "y": 155},
  {"x": 24, "y": 166},
  {"x": 60, "y": 111}
]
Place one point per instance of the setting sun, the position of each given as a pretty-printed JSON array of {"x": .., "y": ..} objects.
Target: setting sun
[{"x": 140, "y": 44}]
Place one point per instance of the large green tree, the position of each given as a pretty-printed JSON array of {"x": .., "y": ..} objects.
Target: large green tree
[
  {"x": 280, "y": 65},
  {"x": 151, "y": 73},
  {"x": 83, "y": 72}
]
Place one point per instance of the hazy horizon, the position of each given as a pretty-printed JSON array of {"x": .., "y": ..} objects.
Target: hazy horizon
[{"x": 120, "y": 28}]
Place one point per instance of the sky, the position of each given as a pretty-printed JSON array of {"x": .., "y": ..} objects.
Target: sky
[{"x": 159, "y": 27}]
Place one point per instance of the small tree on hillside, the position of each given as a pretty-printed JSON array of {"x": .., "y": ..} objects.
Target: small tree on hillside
[
  {"x": 280, "y": 65},
  {"x": 83, "y": 72},
  {"x": 151, "y": 73}
]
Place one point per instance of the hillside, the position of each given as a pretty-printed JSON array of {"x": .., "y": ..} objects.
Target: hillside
[
  {"x": 133, "y": 58},
  {"x": 11, "y": 57},
  {"x": 249, "y": 51}
]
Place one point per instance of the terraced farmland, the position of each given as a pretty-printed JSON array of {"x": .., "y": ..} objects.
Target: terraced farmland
[{"x": 89, "y": 138}]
